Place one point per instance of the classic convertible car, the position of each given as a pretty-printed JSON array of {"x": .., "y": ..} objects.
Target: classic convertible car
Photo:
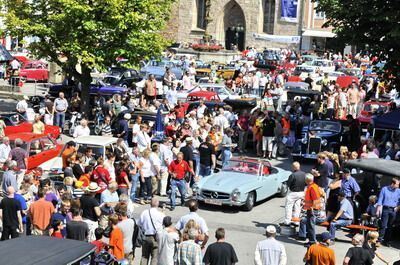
[
  {"x": 318, "y": 136},
  {"x": 243, "y": 182}
]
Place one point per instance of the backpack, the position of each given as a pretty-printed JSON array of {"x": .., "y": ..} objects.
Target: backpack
[{"x": 138, "y": 236}]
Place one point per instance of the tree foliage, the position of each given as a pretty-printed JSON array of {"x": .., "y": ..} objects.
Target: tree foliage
[
  {"x": 91, "y": 33},
  {"x": 374, "y": 23}
]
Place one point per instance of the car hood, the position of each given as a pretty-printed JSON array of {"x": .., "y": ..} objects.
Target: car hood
[
  {"x": 324, "y": 134},
  {"x": 52, "y": 164},
  {"x": 225, "y": 181}
]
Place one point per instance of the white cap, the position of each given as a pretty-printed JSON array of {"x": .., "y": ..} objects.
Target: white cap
[
  {"x": 127, "y": 116},
  {"x": 271, "y": 229},
  {"x": 189, "y": 139}
]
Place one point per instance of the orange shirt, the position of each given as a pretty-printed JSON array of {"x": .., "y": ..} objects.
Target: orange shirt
[
  {"x": 66, "y": 155},
  {"x": 41, "y": 212},
  {"x": 319, "y": 254},
  {"x": 117, "y": 243},
  {"x": 312, "y": 197},
  {"x": 85, "y": 178}
]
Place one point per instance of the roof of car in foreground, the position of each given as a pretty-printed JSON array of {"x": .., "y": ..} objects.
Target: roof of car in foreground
[
  {"x": 95, "y": 140},
  {"x": 377, "y": 165},
  {"x": 43, "y": 250}
]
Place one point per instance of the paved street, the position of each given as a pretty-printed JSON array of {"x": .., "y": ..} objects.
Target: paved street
[{"x": 244, "y": 229}]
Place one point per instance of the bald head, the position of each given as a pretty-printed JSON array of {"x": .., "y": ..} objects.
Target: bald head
[
  {"x": 154, "y": 203},
  {"x": 10, "y": 191},
  {"x": 296, "y": 166}
]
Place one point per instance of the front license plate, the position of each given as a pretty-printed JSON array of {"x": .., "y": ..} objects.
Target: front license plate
[{"x": 213, "y": 202}]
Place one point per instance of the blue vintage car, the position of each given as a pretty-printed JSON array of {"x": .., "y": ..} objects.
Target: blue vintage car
[
  {"x": 97, "y": 87},
  {"x": 319, "y": 135},
  {"x": 243, "y": 182},
  {"x": 157, "y": 68}
]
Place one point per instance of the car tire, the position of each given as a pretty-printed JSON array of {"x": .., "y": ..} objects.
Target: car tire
[
  {"x": 250, "y": 201},
  {"x": 283, "y": 190},
  {"x": 124, "y": 86}
]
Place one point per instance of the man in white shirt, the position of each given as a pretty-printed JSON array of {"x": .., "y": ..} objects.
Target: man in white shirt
[
  {"x": 22, "y": 106},
  {"x": 172, "y": 96},
  {"x": 166, "y": 157},
  {"x": 193, "y": 207},
  {"x": 155, "y": 168},
  {"x": 82, "y": 129},
  {"x": 4, "y": 150},
  {"x": 221, "y": 120},
  {"x": 270, "y": 251},
  {"x": 143, "y": 138},
  {"x": 201, "y": 109},
  {"x": 151, "y": 221},
  {"x": 136, "y": 129},
  {"x": 60, "y": 106}
]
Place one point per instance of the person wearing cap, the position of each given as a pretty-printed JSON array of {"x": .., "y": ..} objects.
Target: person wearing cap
[
  {"x": 320, "y": 253},
  {"x": 388, "y": 206},
  {"x": 22, "y": 106},
  {"x": 270, "y": 251},
  {"x": 178, "y": 169},
  {"x": 343, "y": 217},
  {"x": 312, "y": 205},
  {"x": 91, "y": 209},
  {"x": 123, "y": 128},
  {"x": 349, "y": 185},
  {"x": 220, "y": 252},
  {"x": 167, "y": 238}
]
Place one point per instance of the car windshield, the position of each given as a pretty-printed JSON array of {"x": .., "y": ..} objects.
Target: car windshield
[
  {"x": 324, "y": 126},
  {"x": 110, "y": 80},
  {"x": 243, "y": 167},
  {"x": 375, "y": 107},
  {"x": 98, "y": 151}
]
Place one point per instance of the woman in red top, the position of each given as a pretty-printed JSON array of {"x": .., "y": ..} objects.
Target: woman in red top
[
  {"x": 122, "y": 178},
  {"x": 58, "y": 225},
  {"x": 101, "y": 175}
]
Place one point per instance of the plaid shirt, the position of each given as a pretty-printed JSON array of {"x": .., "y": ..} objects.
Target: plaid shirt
[{"x": 189, "y": 253}]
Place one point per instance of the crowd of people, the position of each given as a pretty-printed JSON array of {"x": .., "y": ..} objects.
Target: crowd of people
[{"x": 96, "y": 201}]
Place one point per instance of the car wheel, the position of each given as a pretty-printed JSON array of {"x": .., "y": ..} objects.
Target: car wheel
[
  {"x": 250, "y": 201},
  {"x": 125, "y": 86},
  {"x": 283, "y": 190}
]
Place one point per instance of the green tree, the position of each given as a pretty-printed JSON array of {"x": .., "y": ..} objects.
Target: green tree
[
  {"x": 89, "y": 33},
  {"x": 367, "y": 23}
]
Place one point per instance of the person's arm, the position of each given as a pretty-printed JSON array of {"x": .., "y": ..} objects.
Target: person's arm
[
  {"x": 346, "y": 261},
  {"x": 257, "y": 257},
  {"x": 337, "y": 216},
  {"x": 205, "y": 240},
  {"x": 380, "y": 201},
  {"x": 214, "y": 161},
  {"x": 26, "y": 161},
  {"x": 97, "y": 211},
  {"x": 283, "y": 257},
  {"x": 21, "y": 226}
]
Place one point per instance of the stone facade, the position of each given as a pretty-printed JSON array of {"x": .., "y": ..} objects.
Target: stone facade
[{"x": 225, "y": 14}]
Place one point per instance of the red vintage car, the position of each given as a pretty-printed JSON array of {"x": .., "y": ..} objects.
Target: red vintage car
[
  {"x": 16, "y": 123},
  {"x": 34, "y": 71},
  {"x": 371, "y": 106},
  {"x": 40, "y": 147},
  {"x": 345, "y": 81},
  {"x": 211, "y": 99}
]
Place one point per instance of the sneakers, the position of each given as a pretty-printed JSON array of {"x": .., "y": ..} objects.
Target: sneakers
[
  {"x": 142, "y": 202},
  {"x": 284, "y": 224},
  {"x": 300, "y": 238}
]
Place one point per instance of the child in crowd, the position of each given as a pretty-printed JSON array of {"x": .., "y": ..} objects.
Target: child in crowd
[
  {"x": 100, "y": 245},
  {"x": 58, "y": 225}
]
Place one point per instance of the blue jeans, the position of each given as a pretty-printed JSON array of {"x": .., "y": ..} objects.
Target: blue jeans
[
  {"x": 196, "y": 161},
  {"x": 226, "y": 156},
  {"x": 307, "y": 227},
  {"x": 387, "y": 218},
  {"x": 60, "y": 119},
  {"x": 146, "y": 188},
  {"x": 337, "y": 224},
  {"x": 135, "y": 180},
  {"x": 181, "y": 186},
  {"x": 204, "y": 170}
]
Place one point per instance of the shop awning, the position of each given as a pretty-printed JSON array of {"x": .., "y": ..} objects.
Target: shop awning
[
  {"x": 5, "y": 56},
  {"x": 318, "y": 33}
]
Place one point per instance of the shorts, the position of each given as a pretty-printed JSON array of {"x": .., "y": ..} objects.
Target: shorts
[{"x": 267, "y": 143}]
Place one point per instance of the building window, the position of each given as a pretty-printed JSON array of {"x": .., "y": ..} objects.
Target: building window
[
  {"x": 269, "y": 16},
  {"x": 201, "y": 14},
  {"x": 318, "y": 14}
]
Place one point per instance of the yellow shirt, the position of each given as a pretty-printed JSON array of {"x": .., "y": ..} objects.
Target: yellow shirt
[{"x": 38, "y": 127}]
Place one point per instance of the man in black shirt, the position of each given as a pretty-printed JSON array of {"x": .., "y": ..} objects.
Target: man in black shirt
[
  {"x": 91, "y": 209},
  {"x": 76, "y": 228},
  {"x": 207, "y": 157},
  {"x": 357, "y": 255},
  {"x": 321, "y": 172},
  {"x": 187, "y": 151},
  {"x": 11, "y": 215},
  {"x": 268, "y": 132},
  {"x": 296, "y": 184},
  {"x": 220, "y": 252}
]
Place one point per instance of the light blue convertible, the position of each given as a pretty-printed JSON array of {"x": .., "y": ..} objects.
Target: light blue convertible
[{"x": 243, "y": 183}]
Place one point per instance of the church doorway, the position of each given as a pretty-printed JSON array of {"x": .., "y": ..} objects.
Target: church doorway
[{"x": 234, "y": 25}]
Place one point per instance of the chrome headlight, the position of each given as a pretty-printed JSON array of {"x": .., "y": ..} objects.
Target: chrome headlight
[
  {"x": 195, "y": 189},
  {"x": 304, "y": 140},
  {"x": 324, "y": 142},
  {"x": 235, "y": 195}
]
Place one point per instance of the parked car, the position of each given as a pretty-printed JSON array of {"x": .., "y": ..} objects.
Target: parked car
[
  {"x": 323, "y": 65},
  {"x": 211, "y": 99},
  {"x": 16, "y": 123},
  {"x": 157, "y": 68},
  {"x": 319, "y": 135},
  {"x": 345, "y": 81},
  {"x": 243, "y": 182},
  {"x": 98, "y": 87},
  {"x": 126, "y": 78},
  {"x": 100, "y": 145},
  {"x": 304, "y": 70},
  {"x": 40, "y": 147},
  {"x": 374, "y": 105},
  {"x": 222, "y": 91},
  {"x": 160, "y": 89},
  {"x": 34, "y": 71},
  {"x": 46, "y": 250},
  {"x": 308, "y": 59},
  {"x": 223, "y": 71}
]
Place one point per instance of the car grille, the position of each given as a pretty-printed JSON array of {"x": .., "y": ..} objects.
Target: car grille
[
  {"x": 314, "y": 145},
  {"x": 215, "y": 195}
]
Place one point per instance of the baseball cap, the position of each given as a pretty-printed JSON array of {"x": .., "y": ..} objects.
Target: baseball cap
[{"x": 325, "y": 236}]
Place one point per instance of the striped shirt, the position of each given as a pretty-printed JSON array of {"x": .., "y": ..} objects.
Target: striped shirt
[
  {"x": 189, "y": 253},
  {"x": 106, "y": 130}
]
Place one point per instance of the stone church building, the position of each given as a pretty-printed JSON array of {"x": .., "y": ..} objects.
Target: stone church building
[
  {"x": 232, "y": 22},
  {"x": 243, "y": 23}
]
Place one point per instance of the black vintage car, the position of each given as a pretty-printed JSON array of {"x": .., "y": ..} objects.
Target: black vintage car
[{"x": 319, "y": 135}]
